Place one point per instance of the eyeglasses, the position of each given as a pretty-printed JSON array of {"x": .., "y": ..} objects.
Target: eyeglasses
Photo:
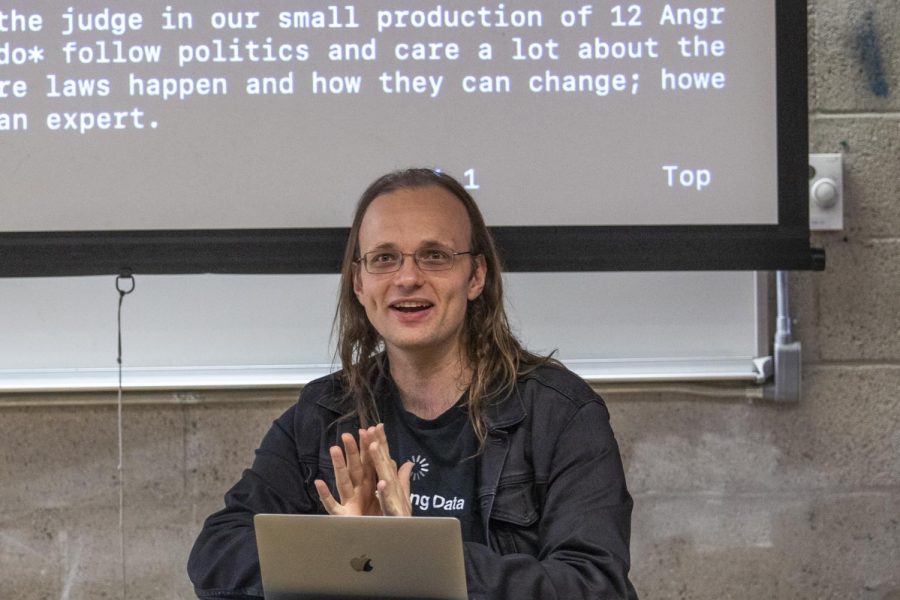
[{"x": 378, "y": 262}]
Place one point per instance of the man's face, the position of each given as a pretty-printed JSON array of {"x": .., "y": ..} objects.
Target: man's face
[{"x": 420, "y": 313}]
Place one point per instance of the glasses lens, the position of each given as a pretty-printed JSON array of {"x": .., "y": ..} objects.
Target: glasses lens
[
  {"x": 382, "y": 262},
  {"x": 434, "y": 259}
]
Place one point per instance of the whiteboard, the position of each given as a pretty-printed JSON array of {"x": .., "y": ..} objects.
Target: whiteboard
[{"x": 203, "y": 331}]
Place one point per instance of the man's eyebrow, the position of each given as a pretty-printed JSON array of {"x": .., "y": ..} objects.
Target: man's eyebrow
[
  {"x": 383, "y": 246},
  {"x": 429, "y": 243},
  {"x": 422, "y": 244}
]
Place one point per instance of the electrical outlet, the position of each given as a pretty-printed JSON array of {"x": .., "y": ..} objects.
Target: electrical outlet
[{"x": 826, "y": 192}]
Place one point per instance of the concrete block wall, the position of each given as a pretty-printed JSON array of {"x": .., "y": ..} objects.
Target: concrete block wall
[
  {"x": 59, "y": 500},
  {"x": 734, "y": 498}
]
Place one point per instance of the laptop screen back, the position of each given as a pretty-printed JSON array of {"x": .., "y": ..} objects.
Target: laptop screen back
[{"x": 322, "y": 557}]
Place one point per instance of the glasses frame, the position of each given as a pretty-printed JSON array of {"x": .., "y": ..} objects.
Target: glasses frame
[{"x": 453, "y": 254}]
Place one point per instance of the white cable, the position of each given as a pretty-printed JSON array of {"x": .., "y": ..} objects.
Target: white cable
[{"x": 121, "y": 443}]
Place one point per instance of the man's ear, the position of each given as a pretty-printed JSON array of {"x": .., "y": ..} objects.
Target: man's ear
[
  {"x": 357, "y": 281},
  {"x": 479, "y": 276}
]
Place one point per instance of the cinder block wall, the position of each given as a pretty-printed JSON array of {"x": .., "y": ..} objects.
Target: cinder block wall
[{"x": 734, "y": 498}]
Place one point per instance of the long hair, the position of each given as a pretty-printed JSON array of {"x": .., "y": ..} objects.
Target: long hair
[{"x": 494, "y": 354}]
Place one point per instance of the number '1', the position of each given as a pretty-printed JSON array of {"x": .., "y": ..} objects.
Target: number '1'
[{"x": 470, "y": 180}]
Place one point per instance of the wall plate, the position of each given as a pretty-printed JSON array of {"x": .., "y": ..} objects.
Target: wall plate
[{"x": 826, "y": 192}]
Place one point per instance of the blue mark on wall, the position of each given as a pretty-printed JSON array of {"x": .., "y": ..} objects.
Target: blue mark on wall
[{"x": 870, "y": 55}]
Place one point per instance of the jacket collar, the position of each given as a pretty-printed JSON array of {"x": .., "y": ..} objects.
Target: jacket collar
[
  {"x": 506, "y": 412},
  {"x": 333, "y": 400}
]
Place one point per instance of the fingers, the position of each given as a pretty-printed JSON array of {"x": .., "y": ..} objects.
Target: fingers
[
  {"x": 379, "y": 452},
  {"x": 381, "y": 438},
  {"x": 354, "y": 479},
  {"x": 393, "y": 501},
  {"x": 332, "y": 506},
  {"x": 384, "y": 465},
  {"x": 393, "y": 484},
  {"x": 405, "y": 474},
  {"x": 354, "y": 460},
  {"x": 341, "y": 474},
  {"x": 365, "y": 439},
  {"x": 357, "y": 468}
]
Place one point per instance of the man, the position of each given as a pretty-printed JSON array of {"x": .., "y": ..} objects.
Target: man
[{"x": 512, "y": 444}]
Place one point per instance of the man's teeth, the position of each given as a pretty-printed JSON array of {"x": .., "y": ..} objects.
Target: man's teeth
[{"x": 411, "y": 305}]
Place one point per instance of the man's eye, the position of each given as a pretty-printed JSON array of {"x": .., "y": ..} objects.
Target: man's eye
[
  {"x": 436, "y": 255},
  {"x": 383, "y": 257}
]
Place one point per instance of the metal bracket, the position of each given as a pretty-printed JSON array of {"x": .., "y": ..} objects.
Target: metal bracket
[{"x": 786, "y": 382}]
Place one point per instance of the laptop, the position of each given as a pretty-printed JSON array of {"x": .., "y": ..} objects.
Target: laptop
[{"x": 321, "y": 557}]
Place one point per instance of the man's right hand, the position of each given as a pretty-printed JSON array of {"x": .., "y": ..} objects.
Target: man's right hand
[
  {"x": 368, "y": 480},
  {"x": 355, "y": 479}
]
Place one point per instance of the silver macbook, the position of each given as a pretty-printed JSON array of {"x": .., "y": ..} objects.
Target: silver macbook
[{"x": 320, "y": 557}]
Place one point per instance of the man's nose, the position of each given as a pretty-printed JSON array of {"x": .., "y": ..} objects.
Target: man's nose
[{"x": 409, "y": 272}]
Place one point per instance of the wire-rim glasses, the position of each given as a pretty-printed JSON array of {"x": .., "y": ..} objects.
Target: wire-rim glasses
[{"x": 378, "y": 262}]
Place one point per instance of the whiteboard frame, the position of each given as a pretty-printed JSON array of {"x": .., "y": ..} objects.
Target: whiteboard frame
[{"x": 750, "y": 369}]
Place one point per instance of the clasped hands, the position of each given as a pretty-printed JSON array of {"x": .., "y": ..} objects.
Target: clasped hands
[{"x": 367, "y": 479}]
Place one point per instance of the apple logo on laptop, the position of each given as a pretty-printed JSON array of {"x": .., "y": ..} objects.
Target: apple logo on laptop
[{"x": 362, "y": 563}]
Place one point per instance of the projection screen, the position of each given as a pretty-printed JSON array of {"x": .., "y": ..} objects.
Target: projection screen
[{"x": 235, "y": 137}]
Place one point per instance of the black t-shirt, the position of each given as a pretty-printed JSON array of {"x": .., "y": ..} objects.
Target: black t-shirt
[{"x": 445, "y": 466}]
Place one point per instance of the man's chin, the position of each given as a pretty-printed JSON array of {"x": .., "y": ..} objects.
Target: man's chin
[{"x": 416, "y": 344}]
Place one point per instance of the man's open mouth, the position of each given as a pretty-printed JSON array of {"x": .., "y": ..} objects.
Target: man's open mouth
[{"x": 411, "y": 307}]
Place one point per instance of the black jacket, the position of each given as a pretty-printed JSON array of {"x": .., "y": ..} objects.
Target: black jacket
[{"x": 551, "y": 491}]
